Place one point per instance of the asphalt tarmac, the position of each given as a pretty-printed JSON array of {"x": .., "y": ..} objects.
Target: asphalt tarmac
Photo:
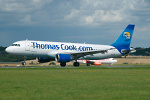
[{"x": 66, "y": 66}]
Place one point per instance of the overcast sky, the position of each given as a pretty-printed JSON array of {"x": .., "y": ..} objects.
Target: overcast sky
[{"x": 89, "y": 21}]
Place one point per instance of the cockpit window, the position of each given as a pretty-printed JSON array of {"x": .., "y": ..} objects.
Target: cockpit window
[{"x": 16, "y": 45}]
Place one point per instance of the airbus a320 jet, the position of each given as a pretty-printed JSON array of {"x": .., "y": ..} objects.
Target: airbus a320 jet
[{"x": 62, "y": 52}]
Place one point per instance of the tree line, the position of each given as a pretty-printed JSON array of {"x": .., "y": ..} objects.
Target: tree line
[{"x": 141, "y": 51}]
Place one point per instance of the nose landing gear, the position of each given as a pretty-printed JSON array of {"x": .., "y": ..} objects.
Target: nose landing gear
[{"x": 24, "y": 63}]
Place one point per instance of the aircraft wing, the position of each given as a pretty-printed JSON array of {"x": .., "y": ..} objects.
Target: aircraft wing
[{"x": 76, "y": 55}]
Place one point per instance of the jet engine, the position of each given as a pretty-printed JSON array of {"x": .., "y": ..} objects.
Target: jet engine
[
  {"x": 93, "y": 63},
  {"x": 44, "y": 59},
  {"x": 97, "y": 63},
  {"x": 63, "y": 58}
]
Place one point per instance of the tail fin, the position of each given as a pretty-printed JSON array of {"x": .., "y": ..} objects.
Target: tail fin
[{"x": 124, "y": 40}]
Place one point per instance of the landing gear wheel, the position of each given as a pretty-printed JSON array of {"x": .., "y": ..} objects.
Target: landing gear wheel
[
  {"x": 88, "y": 64},
  {"x": 62, "y": 64},
  {"x": 23, "y": 63},
  {"x": 76, "y": 64}
]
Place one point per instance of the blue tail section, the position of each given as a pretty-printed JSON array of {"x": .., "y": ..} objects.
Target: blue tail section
[{"x": 124, "y": 40}]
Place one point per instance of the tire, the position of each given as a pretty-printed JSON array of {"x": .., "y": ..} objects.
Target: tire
[
  {"x": 23, "y": 63},
  {"x": 76, "y": 64},
  {"x": 63, "y": 64},
  {"x": 88, "y": 64}
]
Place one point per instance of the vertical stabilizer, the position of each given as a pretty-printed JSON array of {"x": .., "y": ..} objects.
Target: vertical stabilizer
[{"x": 124, "y": 40}]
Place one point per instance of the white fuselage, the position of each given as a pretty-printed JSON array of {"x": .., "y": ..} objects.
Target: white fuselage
[{"x": 50, "y": 49}]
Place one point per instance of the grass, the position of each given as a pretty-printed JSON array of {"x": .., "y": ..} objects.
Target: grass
[{"x": 83, "y": 83}]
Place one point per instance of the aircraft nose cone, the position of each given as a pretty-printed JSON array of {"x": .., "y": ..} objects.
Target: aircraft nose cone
[{"x": 8, "y": 50}]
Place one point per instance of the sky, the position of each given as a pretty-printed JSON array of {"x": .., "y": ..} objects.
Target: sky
[{"x": 76, "y": 21}]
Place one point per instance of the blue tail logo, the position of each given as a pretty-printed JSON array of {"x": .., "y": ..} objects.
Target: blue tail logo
[{"x": 124, "y": 40}]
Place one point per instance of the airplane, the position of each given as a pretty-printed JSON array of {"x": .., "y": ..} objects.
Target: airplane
[
  {"x": 62, "y": 52},
  {"x": 109, "y": 61}
]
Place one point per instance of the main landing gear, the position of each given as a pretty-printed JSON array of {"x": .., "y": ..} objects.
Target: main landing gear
[
  {"x": 75, "y": 64},
  {"x": 63, "y": 64}
]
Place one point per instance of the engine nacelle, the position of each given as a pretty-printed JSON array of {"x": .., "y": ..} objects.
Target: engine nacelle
[
  {"x": 97, "y": 63},
  {"x": 93, "y": 62},
  {"x": 43, "y": 59},
  {"x": 63, "y": 58}
]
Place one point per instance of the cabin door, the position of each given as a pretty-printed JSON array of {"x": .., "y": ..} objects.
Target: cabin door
[{"x": 27, "y": 48}]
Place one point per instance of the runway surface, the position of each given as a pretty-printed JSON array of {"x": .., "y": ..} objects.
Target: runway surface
[{"x": 69, "y": 66}]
